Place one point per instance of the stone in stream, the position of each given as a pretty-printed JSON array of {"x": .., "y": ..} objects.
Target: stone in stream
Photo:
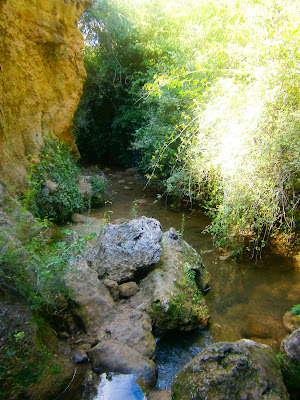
[
  {"x": 128, "y": 289},
  {"x": 122, "y": 251},
  {"x": 223, "y": 371},
  {"x": 95, "y": 305},
  {"x": 167, "y": 297},
  {"x": 290, "y": 363},
  {"x": 118, "y": 357},
  {"x": 169, "y": 293},
  {"x": 131, "y": 327},
  {"x": 291, "y": 322},
  {"x": 113, "y": 288}
]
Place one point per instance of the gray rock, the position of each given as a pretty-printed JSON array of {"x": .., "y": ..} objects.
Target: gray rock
[
  {"x": 169, "y": 294},
  {"x": 240, "y": 370},
  {"x": 95, "y": 303},
  {"x": 50, "y": 187},
  {"x": 290, "y": 363},
  {"x": 79, "y": 356},
  {"x": 122, "y": 251},
  {"x": 290, "y": 346},
  {"x": 116, "y": 357},
  {"x": 2, "y": 193},
  {"x": 128, "y": 289},
  {"x": 161, "y": 395},
  {"x": 79, "y": 218},
  {"x": 130, "y": 171},
  {"x": 84, "y": 186},
  {"x": 113, "y": 288},
  {"x": 131, "y": 327},
  {"x": 291, "y": 322}
]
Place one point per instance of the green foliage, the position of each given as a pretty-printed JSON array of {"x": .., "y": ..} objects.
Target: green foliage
[
  {"x": 33, "y": 262},
  {"x": 99, "y": 190},
  {"x": 181, "y": 308},
  {"x": 212, "y": 109},
  {"x": 295, "y": 310},
  {"x": 20, "y": 366},
  {"x": 107, "y": 114},
  {"x": 56, "y": 164},
  {"x": 187, "y": 305},
  {"x": 135, "y": 209}
]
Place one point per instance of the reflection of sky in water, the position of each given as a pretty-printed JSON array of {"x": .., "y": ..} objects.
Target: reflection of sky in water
[
  {"x": 119, "y": 387},
  {"x": 174, "y": 351}
]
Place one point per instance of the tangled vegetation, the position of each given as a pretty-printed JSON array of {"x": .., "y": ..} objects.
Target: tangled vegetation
[
  {"x": 205, "y": 95},
  {"x": 53, "y": 192}
]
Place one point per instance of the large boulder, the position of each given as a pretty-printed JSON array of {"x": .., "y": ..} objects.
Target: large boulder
[
  {"x": 112, "y": 356},
  {"x": 122, "y": 252},
  {"x": 240, "y": 370},
  {"x": 131, "y": 327},
  {"x": 170, "y": 294},
  {"x": 290, "y": 363},
  {"x": 95, "y": 305}
]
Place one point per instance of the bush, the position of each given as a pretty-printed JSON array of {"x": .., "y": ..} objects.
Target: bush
[
  {"x": 56, "y": 164},
  {"x": 99, "y": 191},
  {"x": 34, "y": 258}
]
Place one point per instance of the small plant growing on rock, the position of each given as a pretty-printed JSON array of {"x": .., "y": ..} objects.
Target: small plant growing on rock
[{"x": 295, "y": 310}]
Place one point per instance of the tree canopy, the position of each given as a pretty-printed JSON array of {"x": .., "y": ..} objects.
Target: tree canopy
[{"x": 206, "y": 96}]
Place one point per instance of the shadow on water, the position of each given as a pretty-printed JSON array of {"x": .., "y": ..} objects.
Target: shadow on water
[{"x": 174, "y": 351}]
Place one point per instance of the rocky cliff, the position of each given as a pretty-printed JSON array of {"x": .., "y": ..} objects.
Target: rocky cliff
[{"x": 41, "y": 78}]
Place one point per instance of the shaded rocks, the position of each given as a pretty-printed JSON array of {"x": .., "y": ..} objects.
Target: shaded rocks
[
  {"x": 124, "y": 250},
  {"x": 116, "y": 357},
  {"x": 130, "y": 171},
  {"x": 128, "y": 289},
  {"x": 79, "y": 356},
  {"x": 133, "y": 328},
  {"x": 77, "y": 218},
  {"x": 161, "y": 395},
  {"x": 50, "y": 187},
  {"x": 95, "y": 305},
  {"x": 169, "y": 294},
  {"x": 84, "y": 186},
  {"x": 290, "y": 363},
  {"x": 240, "y": 370},
  {"x": 113, "y": 288},
  {"x": 291, "y": 322},
  {"x": 262, "y": 327}
]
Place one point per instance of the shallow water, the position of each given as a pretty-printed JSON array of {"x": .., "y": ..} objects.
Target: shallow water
[
  {"x": 113, "y": 387},
  {"x": 248, "y": 297}
]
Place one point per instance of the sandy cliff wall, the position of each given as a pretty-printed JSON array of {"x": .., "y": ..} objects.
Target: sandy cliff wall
[{"x": 41, "y": 77}]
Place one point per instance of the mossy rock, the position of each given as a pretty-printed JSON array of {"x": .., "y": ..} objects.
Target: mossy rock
[
  {"x": 240, "y": 370},
  {"x": 170, "y": 293},
  {"x": 290, "y": 363}
]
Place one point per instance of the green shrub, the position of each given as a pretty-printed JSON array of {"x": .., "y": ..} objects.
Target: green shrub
[
  {"x": 56, "y": 164},
  {"x": 99, "y": 190},
  {"x": 295, "y": 310},
  {"x": 34, "y": 259}
]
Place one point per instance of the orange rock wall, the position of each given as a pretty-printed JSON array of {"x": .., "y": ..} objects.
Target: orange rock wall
[{"x": 41, "y": 78}]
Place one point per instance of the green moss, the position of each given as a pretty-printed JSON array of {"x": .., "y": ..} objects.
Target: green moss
[{"x": 186, "y": 306}]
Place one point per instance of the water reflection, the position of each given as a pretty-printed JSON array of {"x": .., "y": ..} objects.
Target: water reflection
[{"x": 116, "y": 387}]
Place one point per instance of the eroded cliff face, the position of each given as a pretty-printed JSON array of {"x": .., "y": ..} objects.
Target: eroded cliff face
[{"x": 41, "y": 78}]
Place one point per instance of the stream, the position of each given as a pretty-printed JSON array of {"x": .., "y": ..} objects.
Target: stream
[{"x": 247, "y": 299}]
